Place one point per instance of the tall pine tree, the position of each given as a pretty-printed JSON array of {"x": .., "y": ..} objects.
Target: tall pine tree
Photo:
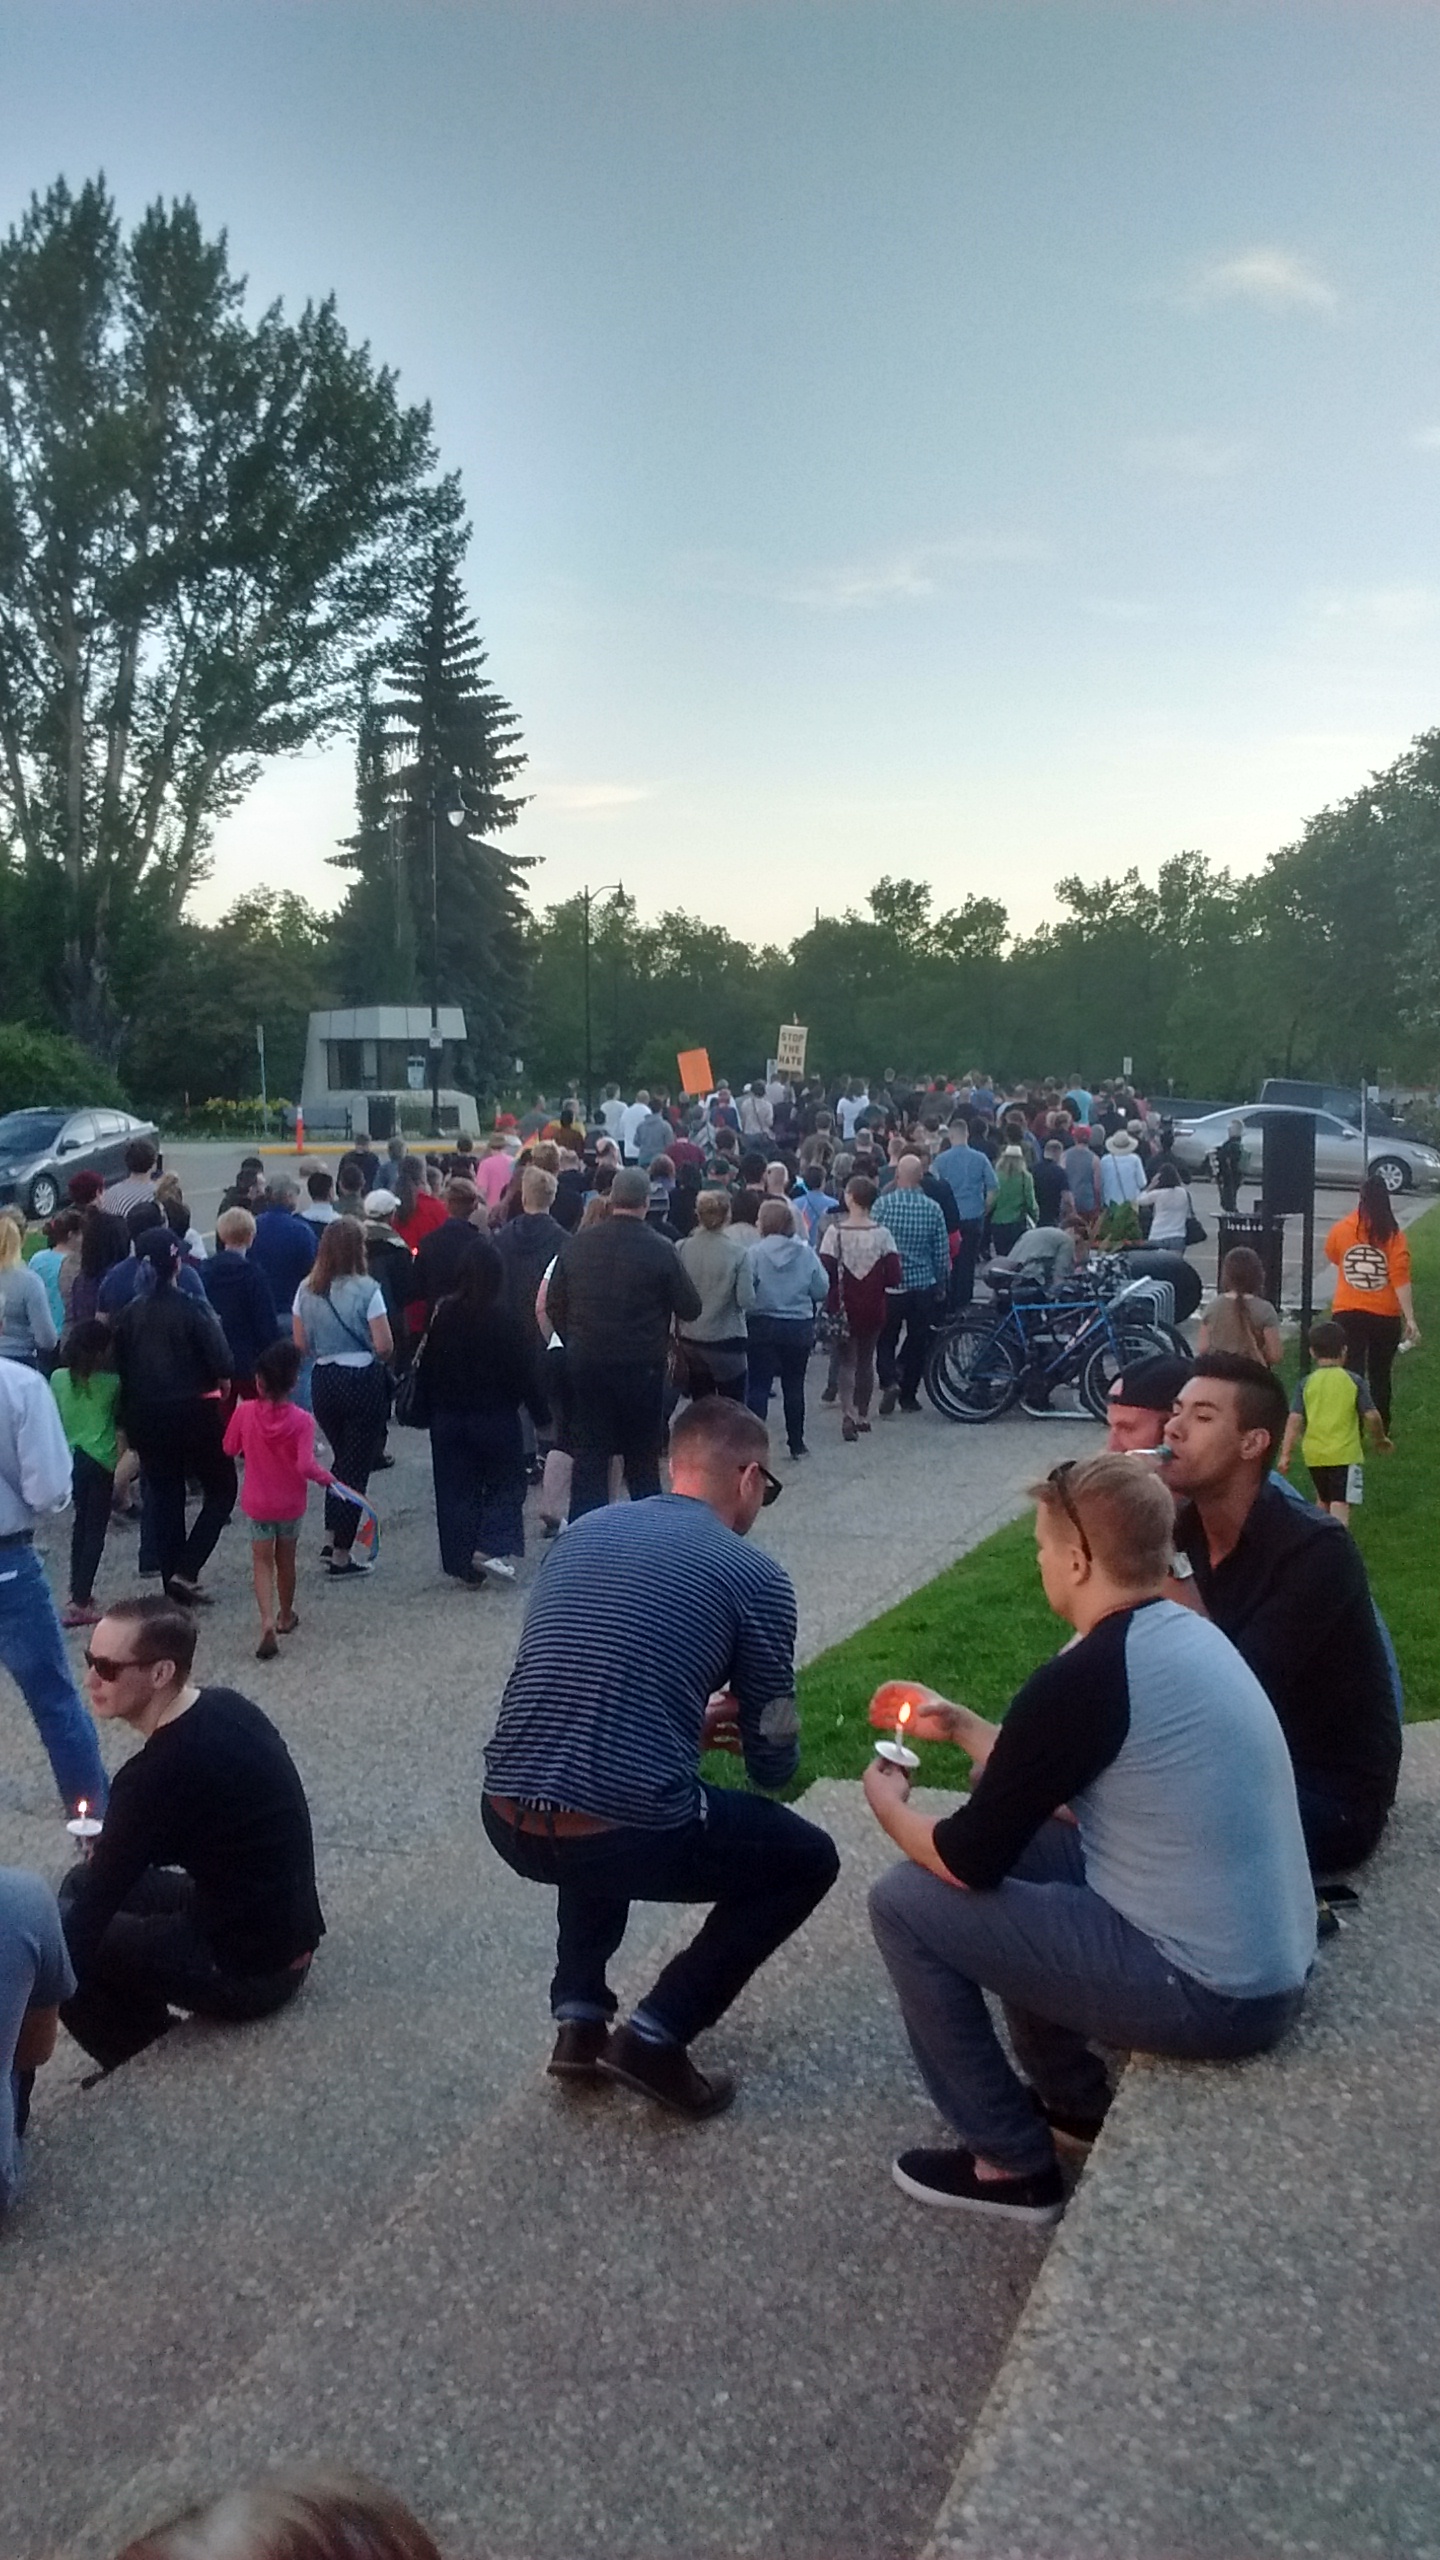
[{"x": 437, "y": 752}]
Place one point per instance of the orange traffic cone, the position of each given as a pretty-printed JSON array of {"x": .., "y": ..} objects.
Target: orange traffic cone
[{"x": 299, "y": 1130}]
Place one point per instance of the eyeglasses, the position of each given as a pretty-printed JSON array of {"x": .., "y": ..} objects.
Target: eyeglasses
[
  {"x": 105, "y": 1668},
  {"x": 1058, "y": 1477},
  {"x": 773, "y": 1488}
]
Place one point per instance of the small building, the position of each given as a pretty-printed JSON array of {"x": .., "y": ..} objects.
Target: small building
[{"x": 368, "y": 1071}]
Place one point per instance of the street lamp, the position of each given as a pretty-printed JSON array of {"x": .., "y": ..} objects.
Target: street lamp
[
  {"x": 447, "y": 796},
  {"x": 613, "y": 889}
]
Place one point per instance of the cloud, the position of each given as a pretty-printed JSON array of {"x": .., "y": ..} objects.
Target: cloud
[
  {"x": 1187, "y": 457},
  {"x": 906, "y": 576},
  {"x": 592, "y": 799},
  {"x": 1426, "y": 440},
  {"x": 1380, "y": 609},
  {"x": 1275, "y": 278}
]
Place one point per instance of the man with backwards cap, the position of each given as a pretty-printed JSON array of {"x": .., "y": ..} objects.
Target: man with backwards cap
[{"x": 1141, "y": 1401}]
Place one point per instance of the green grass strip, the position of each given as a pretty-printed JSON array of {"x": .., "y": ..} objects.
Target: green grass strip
[{"x": 979, "y": 1629}]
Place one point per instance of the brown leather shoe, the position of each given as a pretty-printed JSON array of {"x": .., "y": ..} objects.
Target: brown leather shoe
[
  {"x": 578, "y": 2048},
  {"x": 666, "y": 2073}
]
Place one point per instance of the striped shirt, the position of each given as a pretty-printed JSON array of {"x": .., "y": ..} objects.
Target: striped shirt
[
  {"x": 638, "y": 1614},
  {"x": 917, "y": 1224}
]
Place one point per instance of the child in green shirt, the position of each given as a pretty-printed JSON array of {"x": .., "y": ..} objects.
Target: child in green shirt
[
  {"x": 1331, "y": 1410},
  {"x": 87, "y": 1392}
]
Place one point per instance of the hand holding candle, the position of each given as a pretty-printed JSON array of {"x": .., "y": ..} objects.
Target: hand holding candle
[
  {"x": 894, "y": 1703},
  {"x": 83, "y": 1828}
]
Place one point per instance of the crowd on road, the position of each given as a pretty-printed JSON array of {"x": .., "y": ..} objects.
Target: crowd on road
[{"x": 555, "y": 1306}]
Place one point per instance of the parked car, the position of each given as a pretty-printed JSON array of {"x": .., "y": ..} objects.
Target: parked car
[
  {"x": 1342, "y": 1099},
  {"x": 39, "y": 1150},
  {"x": 1402, "y": 1163}
]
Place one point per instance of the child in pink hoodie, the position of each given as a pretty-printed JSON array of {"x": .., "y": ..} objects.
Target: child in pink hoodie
[{"x": 276, "y": 1439}]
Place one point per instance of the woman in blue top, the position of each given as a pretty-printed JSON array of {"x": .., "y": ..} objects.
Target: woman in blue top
[
  {"x": 791, "y": 1283},
  {"x": 339, "y": 1318}
]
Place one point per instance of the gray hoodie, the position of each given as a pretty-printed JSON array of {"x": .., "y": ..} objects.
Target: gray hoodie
[{"x": 790, "y": 1279}]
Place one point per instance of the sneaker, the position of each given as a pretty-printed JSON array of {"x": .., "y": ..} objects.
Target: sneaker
[
  {"x": 504, "y": 1568},
  {"x": 666, "y": 2073},
  {"x": 340, "y": 1572},
  {"x": 800, "y": 1451},
  {"x": 189, "y": 1594},
  {"x": 579, "y": 2045},
  {"x": 1072, "y": 2133},
  {"x": 80, "y": 1613},
  {"x": 948, "y": 2179},
  {"x": 829, "y": 1395},
  {"x": 909, "y": 1404},
  {"x": 889, "y": 1398},
  {"x": 849, "y": 1430}
]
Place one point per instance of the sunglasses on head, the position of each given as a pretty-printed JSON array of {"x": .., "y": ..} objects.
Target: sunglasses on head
[
  {"x": 1058, "y": 1476},
  {"x": 106, "y": 1668}
]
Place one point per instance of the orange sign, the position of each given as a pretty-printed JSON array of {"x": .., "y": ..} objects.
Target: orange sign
[{"x": 695, "y": 1076}]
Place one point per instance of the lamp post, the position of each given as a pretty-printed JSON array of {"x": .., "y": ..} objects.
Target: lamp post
[
  {"x": 446, "y": 795},
  {"x": 613, "y": 889}
]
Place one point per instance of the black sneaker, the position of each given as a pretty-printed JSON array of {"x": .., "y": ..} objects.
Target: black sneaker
[
  {"x": 579, "y": 2044},
  {"x": 665, "y": 2072},
  {"x": 1072, "y": 2133},
  {"x": 948, "y": 2178},
  {"x": 889, "y": 1398}
]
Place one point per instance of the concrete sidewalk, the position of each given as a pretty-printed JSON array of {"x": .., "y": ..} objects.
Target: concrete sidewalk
[{"x": 1231, "y": 2349}]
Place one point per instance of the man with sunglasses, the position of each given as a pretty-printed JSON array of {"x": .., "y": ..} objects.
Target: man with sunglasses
[
  {"x": 200, "y": 1892},
  {"x": 654, "y": 1634},
  {"x": 1129, "y": 1870}
]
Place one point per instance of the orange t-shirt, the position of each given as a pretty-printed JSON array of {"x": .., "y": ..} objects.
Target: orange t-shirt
[{"x": 1367, "y": 1275}]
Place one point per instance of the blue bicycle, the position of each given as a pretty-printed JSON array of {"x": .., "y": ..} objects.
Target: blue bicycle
[{"x": 1032, "y": 1341}]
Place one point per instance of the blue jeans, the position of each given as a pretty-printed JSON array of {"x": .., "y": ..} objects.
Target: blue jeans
[
  {"x": 1068, "y": 1969},
  {"x": 32, "y": 1649},
  {"x": 782, "y": 1343},
  {"x": 478, "y": 1462},
  {"x": 763, "y": 1869}
]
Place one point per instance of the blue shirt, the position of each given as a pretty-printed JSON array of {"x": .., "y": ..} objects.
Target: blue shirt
[
  {"x": 971, "y": 1177},
  {"x": 34, "y": 1974},
  {"x": 122, "y": 1281},
  {"x": 604, "y": 1710}
]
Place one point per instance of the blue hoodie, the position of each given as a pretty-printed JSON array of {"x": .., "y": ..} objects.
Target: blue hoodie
[{"x": 790, "y": 1279}]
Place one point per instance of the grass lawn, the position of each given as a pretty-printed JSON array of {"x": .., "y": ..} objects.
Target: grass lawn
[{"x": 979, "y": 1629}]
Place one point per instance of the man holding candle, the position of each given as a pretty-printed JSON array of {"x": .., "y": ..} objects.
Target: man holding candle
[
  {"x": 1129, "y": 1869},
  {"x": 200, "y": 1891},
  {"x": 592, "y": 1778}
]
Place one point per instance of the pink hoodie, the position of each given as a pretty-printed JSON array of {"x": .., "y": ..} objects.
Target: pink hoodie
[{"x": 277, "y": 1443}]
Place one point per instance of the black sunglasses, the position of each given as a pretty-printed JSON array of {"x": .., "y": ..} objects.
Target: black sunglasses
[
  {"x": 106, "y": 1668},
  {"x": 773, "y": 1487},
  {"x": 1058, "y": 1477}
]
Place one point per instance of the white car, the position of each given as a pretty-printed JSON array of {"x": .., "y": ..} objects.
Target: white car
[{"x": 1403, "y": 1164}]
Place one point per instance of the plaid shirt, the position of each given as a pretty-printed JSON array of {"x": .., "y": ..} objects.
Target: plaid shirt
[{"x": 917, "y": 1224}]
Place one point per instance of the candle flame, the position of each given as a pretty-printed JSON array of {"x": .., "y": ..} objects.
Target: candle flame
[
  {"x": 906, "y": 1712},
  {"x": 84, "y": 1808}
]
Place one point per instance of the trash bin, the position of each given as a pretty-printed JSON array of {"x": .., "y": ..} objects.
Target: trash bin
[
  {"x": 380, "y": 1115},
  {"x": 1265, "y": 1236}
]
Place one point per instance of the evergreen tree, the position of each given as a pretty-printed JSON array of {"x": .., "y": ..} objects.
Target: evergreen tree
[{"x": 438, "y": 908}]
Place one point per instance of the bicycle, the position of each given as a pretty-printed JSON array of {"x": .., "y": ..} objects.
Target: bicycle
[{"x": 1031, "y": 1342}]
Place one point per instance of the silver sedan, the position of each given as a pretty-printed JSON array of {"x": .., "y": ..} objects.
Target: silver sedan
[{"x": 1403, "y": 1164}]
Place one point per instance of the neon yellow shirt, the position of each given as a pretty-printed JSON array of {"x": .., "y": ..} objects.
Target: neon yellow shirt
[{"x": 1332, "y": 1401}]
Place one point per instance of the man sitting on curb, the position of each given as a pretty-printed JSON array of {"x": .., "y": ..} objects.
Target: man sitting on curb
[
  {"x": 592, "y": 1777},
  {"x": 1173, "y": 1914},
  {"x": 1287, "y": 1585},
  {"x": 214, "y": 1794}
]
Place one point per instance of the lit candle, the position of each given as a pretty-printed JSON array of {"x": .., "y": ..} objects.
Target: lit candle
[
  {"x": 83, "y": 1828},
  {"x": 898, "y": 1753}
]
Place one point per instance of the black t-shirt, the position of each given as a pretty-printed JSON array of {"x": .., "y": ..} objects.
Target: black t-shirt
[
  {"x": 1293, "y": 1599},
  {"x": 1051, "y": 1187},
  {"x": 218, "y": 1794}
]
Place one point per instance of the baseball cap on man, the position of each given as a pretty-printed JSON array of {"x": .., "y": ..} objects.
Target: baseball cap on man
[
  {"x": 1151, "y": 1385},
  {"x": 381, "y": 1204}
]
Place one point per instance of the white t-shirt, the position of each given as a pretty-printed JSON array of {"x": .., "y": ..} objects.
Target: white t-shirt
[
  {"x": 613, "y": 1115},
  {"x": 630, "y": 1119},
  {"x": 1172, "y": 1211},
  {"x": 848, "y": 1110}
]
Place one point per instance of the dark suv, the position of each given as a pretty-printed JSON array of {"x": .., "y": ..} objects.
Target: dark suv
[
  {"x": 1342, "y": 1099},
  {"x": 39, "y": 1150}
]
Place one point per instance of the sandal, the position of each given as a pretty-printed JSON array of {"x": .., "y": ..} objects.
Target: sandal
[
  {"x": 849, "y": 1430},
  {"x": 287, "y": 1626},
  {"x": 267, "y": 1648}
]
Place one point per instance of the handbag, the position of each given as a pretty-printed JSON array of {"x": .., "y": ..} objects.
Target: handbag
[
  {"x": 1196, "y": 1230},
  {"x": 411, "y": 1408}
]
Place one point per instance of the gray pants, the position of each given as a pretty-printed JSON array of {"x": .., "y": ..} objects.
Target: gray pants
[{"x": 1067, "y": 1968}]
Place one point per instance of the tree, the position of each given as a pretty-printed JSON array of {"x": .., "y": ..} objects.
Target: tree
[
  {"x": 437, "y": 907},
  {"x": 266, "y": 962},
  {"x": 207, "y": 527}
]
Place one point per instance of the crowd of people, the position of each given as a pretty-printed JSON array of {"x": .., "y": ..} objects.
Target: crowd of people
[{"x": 1136, "y": 1863}]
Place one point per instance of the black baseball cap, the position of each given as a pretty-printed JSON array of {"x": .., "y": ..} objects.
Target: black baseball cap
[{"x": 1152, "y": 1384}]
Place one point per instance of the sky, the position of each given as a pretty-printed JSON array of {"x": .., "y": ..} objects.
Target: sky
[{"x": 972, "y": 443}]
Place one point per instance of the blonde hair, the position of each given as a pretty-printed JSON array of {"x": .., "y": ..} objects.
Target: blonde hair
[
  {"x": 775, "y": 1182},
  {"x": 712, "y": 1210},
  {"x": 596, "y": 1207},
  {"x": 235, "y": 1227},
  {"x": 167, "y": 1188},
  {"x": 537, "y": 1187},
  {"x": 1010, "y": 1159},
  {"x": 292, "y": 2515},
  {"x": 12, "y": 1236},
  {"x": 547, "y": 1156},
  {"x": 776, "y": 1218},
  {"x": 1126, "y": 1513}
]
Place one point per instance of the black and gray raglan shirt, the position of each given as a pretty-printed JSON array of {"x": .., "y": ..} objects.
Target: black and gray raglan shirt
[{"x": 1169, "y": 1754}]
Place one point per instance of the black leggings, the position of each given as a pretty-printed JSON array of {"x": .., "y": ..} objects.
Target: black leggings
[
  {"x": 1371, "y": 1343},
  {"x": 174, "y": 1442},
  {"x": 352, "y": 1407}
]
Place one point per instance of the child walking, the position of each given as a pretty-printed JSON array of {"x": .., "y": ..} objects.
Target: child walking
[
  {"x": 87, "y": 1392},
  {"x": 1332, "y": 1408},
  {"x": 276, "y": 1439}
]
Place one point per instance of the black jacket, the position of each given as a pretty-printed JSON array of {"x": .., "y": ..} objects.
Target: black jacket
[
  {"x": 169, "y": 1349},
  {"x": 527, "y": 1246},
  {"x": 614, "y": 1291},
  {"x": 441, "y": 1254}
]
